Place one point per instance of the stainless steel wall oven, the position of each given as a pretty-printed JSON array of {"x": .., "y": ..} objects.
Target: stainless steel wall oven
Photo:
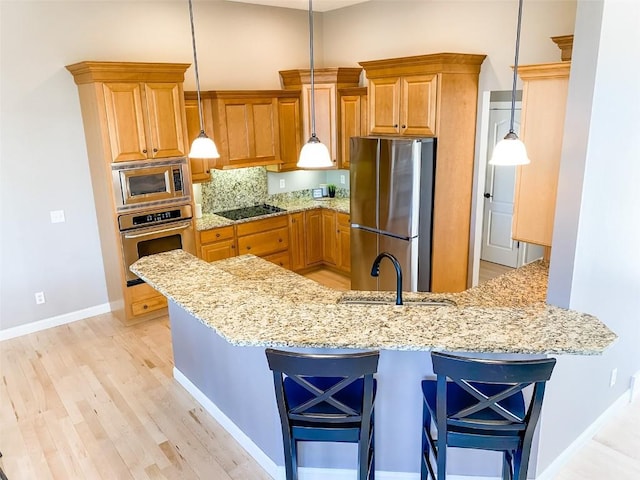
[{"x": 147, "y": 232}]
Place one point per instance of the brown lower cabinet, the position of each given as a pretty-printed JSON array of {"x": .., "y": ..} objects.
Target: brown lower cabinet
[{"x": 297, "y": 241}]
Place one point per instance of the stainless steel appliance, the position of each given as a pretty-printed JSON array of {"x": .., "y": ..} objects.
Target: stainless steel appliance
[
  {"x": 151, "y": 184},
  {"x": 392, "y": 188},
  {"x": 148, "y": 232}
]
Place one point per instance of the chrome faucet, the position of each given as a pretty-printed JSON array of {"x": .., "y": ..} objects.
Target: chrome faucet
[{"x": 375, "y": 271}]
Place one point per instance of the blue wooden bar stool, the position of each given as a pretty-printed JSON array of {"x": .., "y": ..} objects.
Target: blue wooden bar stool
[
  {"x": 477, "y": 403},
  {"x": 326, "y": 398}
]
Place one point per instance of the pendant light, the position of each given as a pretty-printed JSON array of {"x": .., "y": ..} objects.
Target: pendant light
[
  {"x": 511, "y": 150},
  {"x": 202, "y": 146},
  {"x": 314, "y": 153}
]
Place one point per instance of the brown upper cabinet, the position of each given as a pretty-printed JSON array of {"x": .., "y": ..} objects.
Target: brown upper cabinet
[
  {"x": 245, "y": 125},
  {"x": 353, "y": 121},
  {"x": 327, "y": 82},
  {"x": 435, "y": 95},
  {"x": 544, "y": 100},
  {"x": 290, "y": 132},
  {"x": 144, "y": 115},
  {"x": 404, "y": 105}
]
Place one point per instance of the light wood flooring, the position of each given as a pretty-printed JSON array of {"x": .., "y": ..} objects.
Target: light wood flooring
[{"x": 96, "y": 400}]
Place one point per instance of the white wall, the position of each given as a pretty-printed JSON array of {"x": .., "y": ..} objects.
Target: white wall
[
  {"x": 42, "y": 149},
  {"x": 595, "y": 264}
]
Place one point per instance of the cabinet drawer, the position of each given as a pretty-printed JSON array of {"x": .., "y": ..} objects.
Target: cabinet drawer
[
  {"x": 282, "y": 259},
  {"x": 147, "y": 305},
  {"x": 265, "y": 243},
  {"x": 256, "y": 226},
  {"x": 216, "y": 234}
]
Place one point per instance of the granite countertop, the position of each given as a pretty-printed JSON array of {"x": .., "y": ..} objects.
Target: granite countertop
[
  {"x": 211, "y": 220},
  {"x": 250, "y": 301}
]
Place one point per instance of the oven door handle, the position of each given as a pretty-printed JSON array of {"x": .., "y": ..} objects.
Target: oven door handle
[{"x": 155, "y": 232}]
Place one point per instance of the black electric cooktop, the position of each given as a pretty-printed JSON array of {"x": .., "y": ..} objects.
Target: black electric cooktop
[{"x": 248, "y": 212}]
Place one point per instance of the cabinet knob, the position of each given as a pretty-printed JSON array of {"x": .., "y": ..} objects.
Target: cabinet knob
[
  {"x": 145, "y": 306},
  {"x": 404, "y": 126},
  {"x": 144, "y": 151},
  {"x": 395, "y": 125},
  {"x": 233, "y": 246},
  {"x": 155, "y": 149},
  {"x": 248, "y": 247},
  {"x": 217, "y": 235},
  {"x": 280, "y": 240},
  {"x": 488, "y": 195}
]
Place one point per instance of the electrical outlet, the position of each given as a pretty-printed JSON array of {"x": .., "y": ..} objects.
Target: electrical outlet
[
  {"x": 614, "y": 377},
  {"x": 282, "y": 183},
  {"x": 39, "y": 298},
  {"x": 57, "y": 216},
  {"x": 342, "y": 179}
]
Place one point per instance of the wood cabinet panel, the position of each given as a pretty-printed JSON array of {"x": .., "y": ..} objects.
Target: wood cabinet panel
[
  {"x": 329, "y": 238},
  {"x": 217, "y": 244},
  {"x": 297, "y": 241},
  {"x": 344, "y": 242},
  {"x": 418, "y": 100},
  {"x": 353, "y": 121},
  {"x": 384, "y": 105},
  {"x": 125, "y": 121},
  {"x": 544, "y": 101},
  {"x": 289, "y": 124},
  {"x": 264, "y": 243},
  {"x": 313, "y": 240},
  {"x": 164, "y": 102},
  {"x": 200, "y": 167}
]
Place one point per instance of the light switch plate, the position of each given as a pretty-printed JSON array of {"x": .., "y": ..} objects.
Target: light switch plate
[{"x": 57, "y": 216}]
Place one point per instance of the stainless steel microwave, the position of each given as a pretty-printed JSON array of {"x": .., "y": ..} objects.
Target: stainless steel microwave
[{"x": 148, "y": 184}]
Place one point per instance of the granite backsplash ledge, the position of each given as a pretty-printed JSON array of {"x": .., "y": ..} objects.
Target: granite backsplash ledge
[{"x": 229, "y": 189}]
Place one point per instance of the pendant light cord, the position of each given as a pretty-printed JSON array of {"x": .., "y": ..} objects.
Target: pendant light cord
[
  {"x": 515, "y": 68},
  {"x": 195, "y": 64},
  {"x": 313, "y": 93}
]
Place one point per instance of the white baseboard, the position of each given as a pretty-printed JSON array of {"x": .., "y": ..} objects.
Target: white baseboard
[
  {"x": 276, "y": 471},
  {"x": 552, "y": 470},
  {"x": 40, "y": 325}
]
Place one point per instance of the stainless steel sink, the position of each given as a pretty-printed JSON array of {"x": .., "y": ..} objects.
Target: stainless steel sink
[{"x": 424, "y": 302}]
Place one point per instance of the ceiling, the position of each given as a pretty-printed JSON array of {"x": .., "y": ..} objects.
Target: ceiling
[{"x": 318, "y": 5}]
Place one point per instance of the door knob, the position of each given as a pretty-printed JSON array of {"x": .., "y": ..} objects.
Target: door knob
[{"x": 488, "y": 195}]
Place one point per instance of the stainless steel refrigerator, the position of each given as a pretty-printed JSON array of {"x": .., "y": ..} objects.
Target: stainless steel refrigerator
[{"x": 392, "y": 187}]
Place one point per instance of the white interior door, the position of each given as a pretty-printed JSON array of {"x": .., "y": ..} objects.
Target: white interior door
[{"x": 497, "y": 244}]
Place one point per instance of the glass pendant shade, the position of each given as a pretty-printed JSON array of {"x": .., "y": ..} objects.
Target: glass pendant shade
[
  {"x": 314, "y": 154},
  {"x": 509, "y": 151},
  {"x": 203, "y": 147}
]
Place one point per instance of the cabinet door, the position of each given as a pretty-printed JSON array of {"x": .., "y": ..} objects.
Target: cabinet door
[
  {"x": 166, "y": 127},
  {"x": 297, "y": 241},
  {"x": 289, "y": 130},
  {"x": 313, "y": 237},
  {"x": 200, "y": 170},
  {"x": 326, "y": 116},
  {"x": 344, "y": 242},
  {"x": 418, "y": 105},
  {"x": 384, "y": 105},
  {"x": 125, "y": 121},
  {"x": 248, "y": 131},
  {"x": 544, "y": 99},
  {"x": 218, "y": 250},
  {"x": 329, "y": 238},
  {"x": 351, "y": 108}
]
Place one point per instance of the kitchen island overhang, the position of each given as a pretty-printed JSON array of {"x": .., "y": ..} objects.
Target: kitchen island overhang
[{"x": 224, "y": 314}]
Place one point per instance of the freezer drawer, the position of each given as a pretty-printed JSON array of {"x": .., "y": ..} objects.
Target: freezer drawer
[{"x": 365, "y": 246}]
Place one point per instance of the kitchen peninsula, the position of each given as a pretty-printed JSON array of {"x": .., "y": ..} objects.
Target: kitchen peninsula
[{"x": 223, "y": 314}]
